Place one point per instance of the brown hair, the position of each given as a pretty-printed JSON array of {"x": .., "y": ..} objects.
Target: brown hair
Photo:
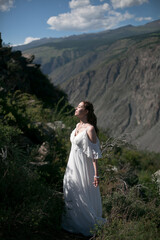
[{"x": 91, "y": 117}]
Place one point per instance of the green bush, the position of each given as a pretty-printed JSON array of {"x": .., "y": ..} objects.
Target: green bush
[
  {"x": 27, "y": 204},
  {"x": 130, "y": 230},
  {"x": 131, "y": 198}
]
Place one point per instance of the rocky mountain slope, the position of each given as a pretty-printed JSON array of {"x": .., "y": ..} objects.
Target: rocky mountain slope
[
  {"x": 125, "y": 90},
  {"x": 119, "y": 71}
]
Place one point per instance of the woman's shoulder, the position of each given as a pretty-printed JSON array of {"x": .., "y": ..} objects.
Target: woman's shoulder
[
  {"x": 90, "y": 127},
  {"x": 91, "y": 133},
  {"x": 77, "y": 125}
]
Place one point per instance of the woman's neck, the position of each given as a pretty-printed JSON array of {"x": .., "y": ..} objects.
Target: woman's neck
[{"x": 83, "y": 121}]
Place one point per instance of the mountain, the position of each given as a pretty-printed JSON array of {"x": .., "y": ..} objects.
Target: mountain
[
  {"x": 109, "y": 35},
  {"x": 119, "y": 71},
  {"x": 125, "y": 89},
  {"x": 75, "y": 54}
]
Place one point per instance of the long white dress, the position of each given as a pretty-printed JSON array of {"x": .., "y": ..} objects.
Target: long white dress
[{"x": 82, "y": 198}]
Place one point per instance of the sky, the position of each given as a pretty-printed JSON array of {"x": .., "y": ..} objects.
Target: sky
[{"x": 22, "y": 21}]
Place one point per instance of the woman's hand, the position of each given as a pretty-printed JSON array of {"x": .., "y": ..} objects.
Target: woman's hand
[{"x": 96, "y": 181}]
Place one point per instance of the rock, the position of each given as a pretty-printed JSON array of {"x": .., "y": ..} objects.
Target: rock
[
  {"x": 156, "y": 178},
  {"x": 111, "y": 168},
  {"x": 59, "y": 124},
  {"x": 45, "y": 129},
  {"x": 51, "y": 125},
  {"x": 29, "y": 57},
  {"x": 38, "y": 163},
  {"x": 43, "y": 151}
]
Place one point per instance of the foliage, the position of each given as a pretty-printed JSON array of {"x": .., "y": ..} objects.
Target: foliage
[
  {"x": 130, "y": 195},
  {"x": 31, "y": 200},
  {"x": 27, "y": 204}
]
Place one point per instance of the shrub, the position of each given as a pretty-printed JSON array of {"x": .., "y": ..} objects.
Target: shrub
[{"x": 28, "y": 206}]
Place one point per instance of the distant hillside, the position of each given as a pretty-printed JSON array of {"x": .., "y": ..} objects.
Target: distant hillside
[
  {"x": 118, "y": 70},
  {"x": 125, "y": 88},
  {"x": 109, "y": 35},
  {"x": 76, "y": 54}
]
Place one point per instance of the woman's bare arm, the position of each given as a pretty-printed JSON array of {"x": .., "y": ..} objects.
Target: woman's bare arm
[
  {"x": 92, "y": 134},
  {"x": 96, "y": 178},
  {"x": 93, "y": 138}
]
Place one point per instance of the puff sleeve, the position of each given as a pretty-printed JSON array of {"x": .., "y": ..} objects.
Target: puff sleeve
[{"x": 92, "y": 150}]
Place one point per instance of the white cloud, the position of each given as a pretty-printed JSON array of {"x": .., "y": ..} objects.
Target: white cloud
[
  {"x": 84, "y": 17},
  {"x": 30, "y": 39},
  {"x": 78, "y": 3},
  {"x": 140, "y": 19},
  {"x": 127, "y": 3},
  {"x": 6, "y": 5},
  {"x": 26, "y": 41}
]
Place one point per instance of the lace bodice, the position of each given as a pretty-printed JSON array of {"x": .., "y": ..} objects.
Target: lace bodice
[{"x": 82, "y": 142}]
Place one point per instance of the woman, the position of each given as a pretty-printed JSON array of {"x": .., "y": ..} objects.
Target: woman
[{"x": 81, "y": 180}]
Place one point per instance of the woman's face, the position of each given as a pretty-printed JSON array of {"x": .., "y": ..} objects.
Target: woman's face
[{"x": 80, "y": 110}]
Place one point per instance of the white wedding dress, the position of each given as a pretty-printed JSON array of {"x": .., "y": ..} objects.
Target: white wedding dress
[{"x": 82, "y": 198}]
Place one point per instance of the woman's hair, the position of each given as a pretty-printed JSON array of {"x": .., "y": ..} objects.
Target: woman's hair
[{"x": 91, "y": 117}]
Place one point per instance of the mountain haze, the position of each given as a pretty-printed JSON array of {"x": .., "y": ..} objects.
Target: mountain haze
[{"x": 119, "y": 71}]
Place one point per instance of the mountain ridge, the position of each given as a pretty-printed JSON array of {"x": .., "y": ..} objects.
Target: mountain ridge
[
  {"x": 148, "y": 27},
  {"x": 120, "y": 76}
]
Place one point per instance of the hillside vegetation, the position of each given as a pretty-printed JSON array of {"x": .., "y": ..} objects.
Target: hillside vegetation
[
  {"x": 32, "y": 149},
  {"x": 35, "y": 124}
]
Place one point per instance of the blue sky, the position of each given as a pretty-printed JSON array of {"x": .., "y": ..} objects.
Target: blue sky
[{"x": 22, "y": 21}]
